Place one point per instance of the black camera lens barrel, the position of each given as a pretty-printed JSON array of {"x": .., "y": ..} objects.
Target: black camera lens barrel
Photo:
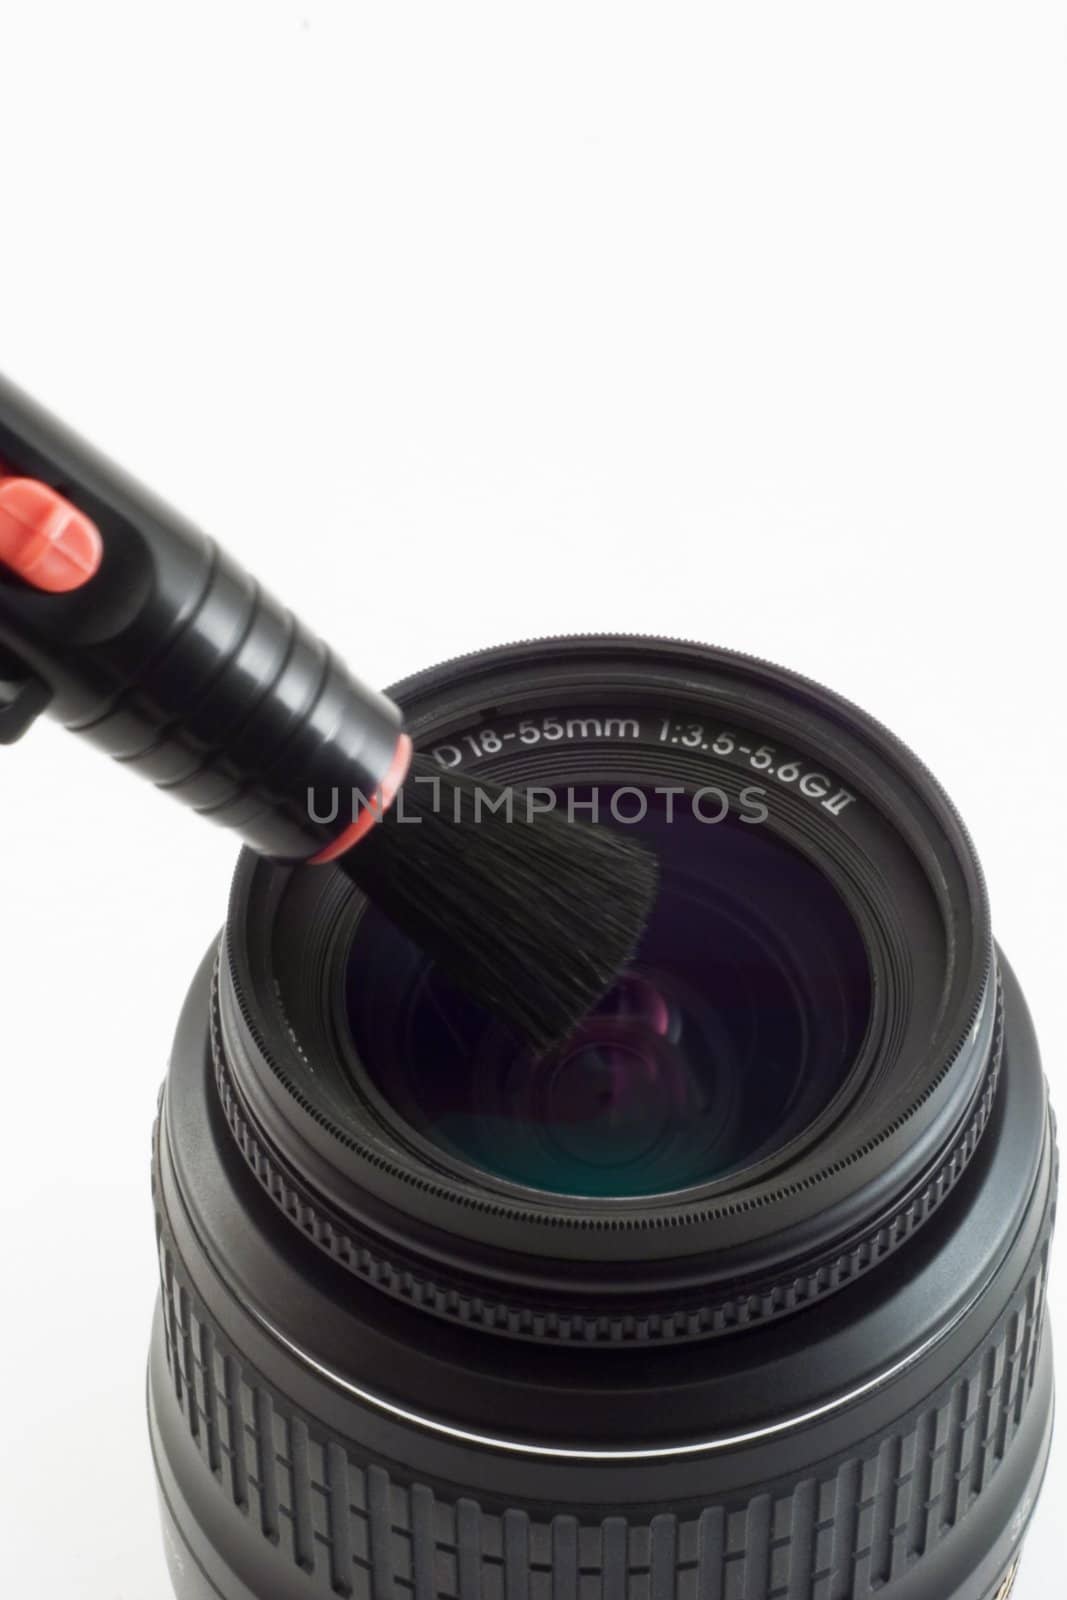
[{"x": 379, "y": 1369}]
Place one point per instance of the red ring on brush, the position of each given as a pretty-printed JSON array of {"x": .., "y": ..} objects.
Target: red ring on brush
[{"x": 380, "y": 802}]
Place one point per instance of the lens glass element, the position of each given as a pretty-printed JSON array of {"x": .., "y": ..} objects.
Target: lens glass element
[{"x": 744, "y": 1009}]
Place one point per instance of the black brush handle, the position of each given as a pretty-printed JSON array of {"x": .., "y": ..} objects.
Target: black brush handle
[{"x": 172, "y": 659}]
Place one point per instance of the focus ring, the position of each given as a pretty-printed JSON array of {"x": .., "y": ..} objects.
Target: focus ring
[
  {"x": 675, "y": 1320},
  {"x": 353, "y": 1525}
]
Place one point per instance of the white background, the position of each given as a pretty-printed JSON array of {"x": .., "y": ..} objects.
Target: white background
[{"x": 466, "y": 322}]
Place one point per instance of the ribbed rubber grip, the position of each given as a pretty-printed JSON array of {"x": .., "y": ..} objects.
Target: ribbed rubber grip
[{"x": 353, "y": 1527}]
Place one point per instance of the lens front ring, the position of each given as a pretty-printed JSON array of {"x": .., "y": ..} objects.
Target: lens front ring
[{"x": 420, "y": 1223}]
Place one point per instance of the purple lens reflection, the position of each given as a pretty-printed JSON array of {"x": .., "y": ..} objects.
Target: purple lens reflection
[{"x": 746, "y": 1006}]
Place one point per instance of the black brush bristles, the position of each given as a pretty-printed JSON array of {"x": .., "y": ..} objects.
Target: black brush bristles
[{"x": 533, "y": 914}]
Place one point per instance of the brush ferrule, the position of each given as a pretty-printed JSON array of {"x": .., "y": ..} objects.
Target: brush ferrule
[{"x": 369, "y": 810}]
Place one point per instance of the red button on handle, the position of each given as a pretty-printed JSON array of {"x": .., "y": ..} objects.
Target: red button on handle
[{"x": 44, "y": 539}]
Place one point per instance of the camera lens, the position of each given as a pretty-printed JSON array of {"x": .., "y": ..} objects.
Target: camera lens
[
  {"x": 737, "y": 1293},
  {"x": 738, "y": 1023}
]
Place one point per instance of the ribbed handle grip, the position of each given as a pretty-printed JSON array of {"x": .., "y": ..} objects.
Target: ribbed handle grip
[
  {"x": 173, "y": 659},
  {"x": 249, "y": 718}
]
